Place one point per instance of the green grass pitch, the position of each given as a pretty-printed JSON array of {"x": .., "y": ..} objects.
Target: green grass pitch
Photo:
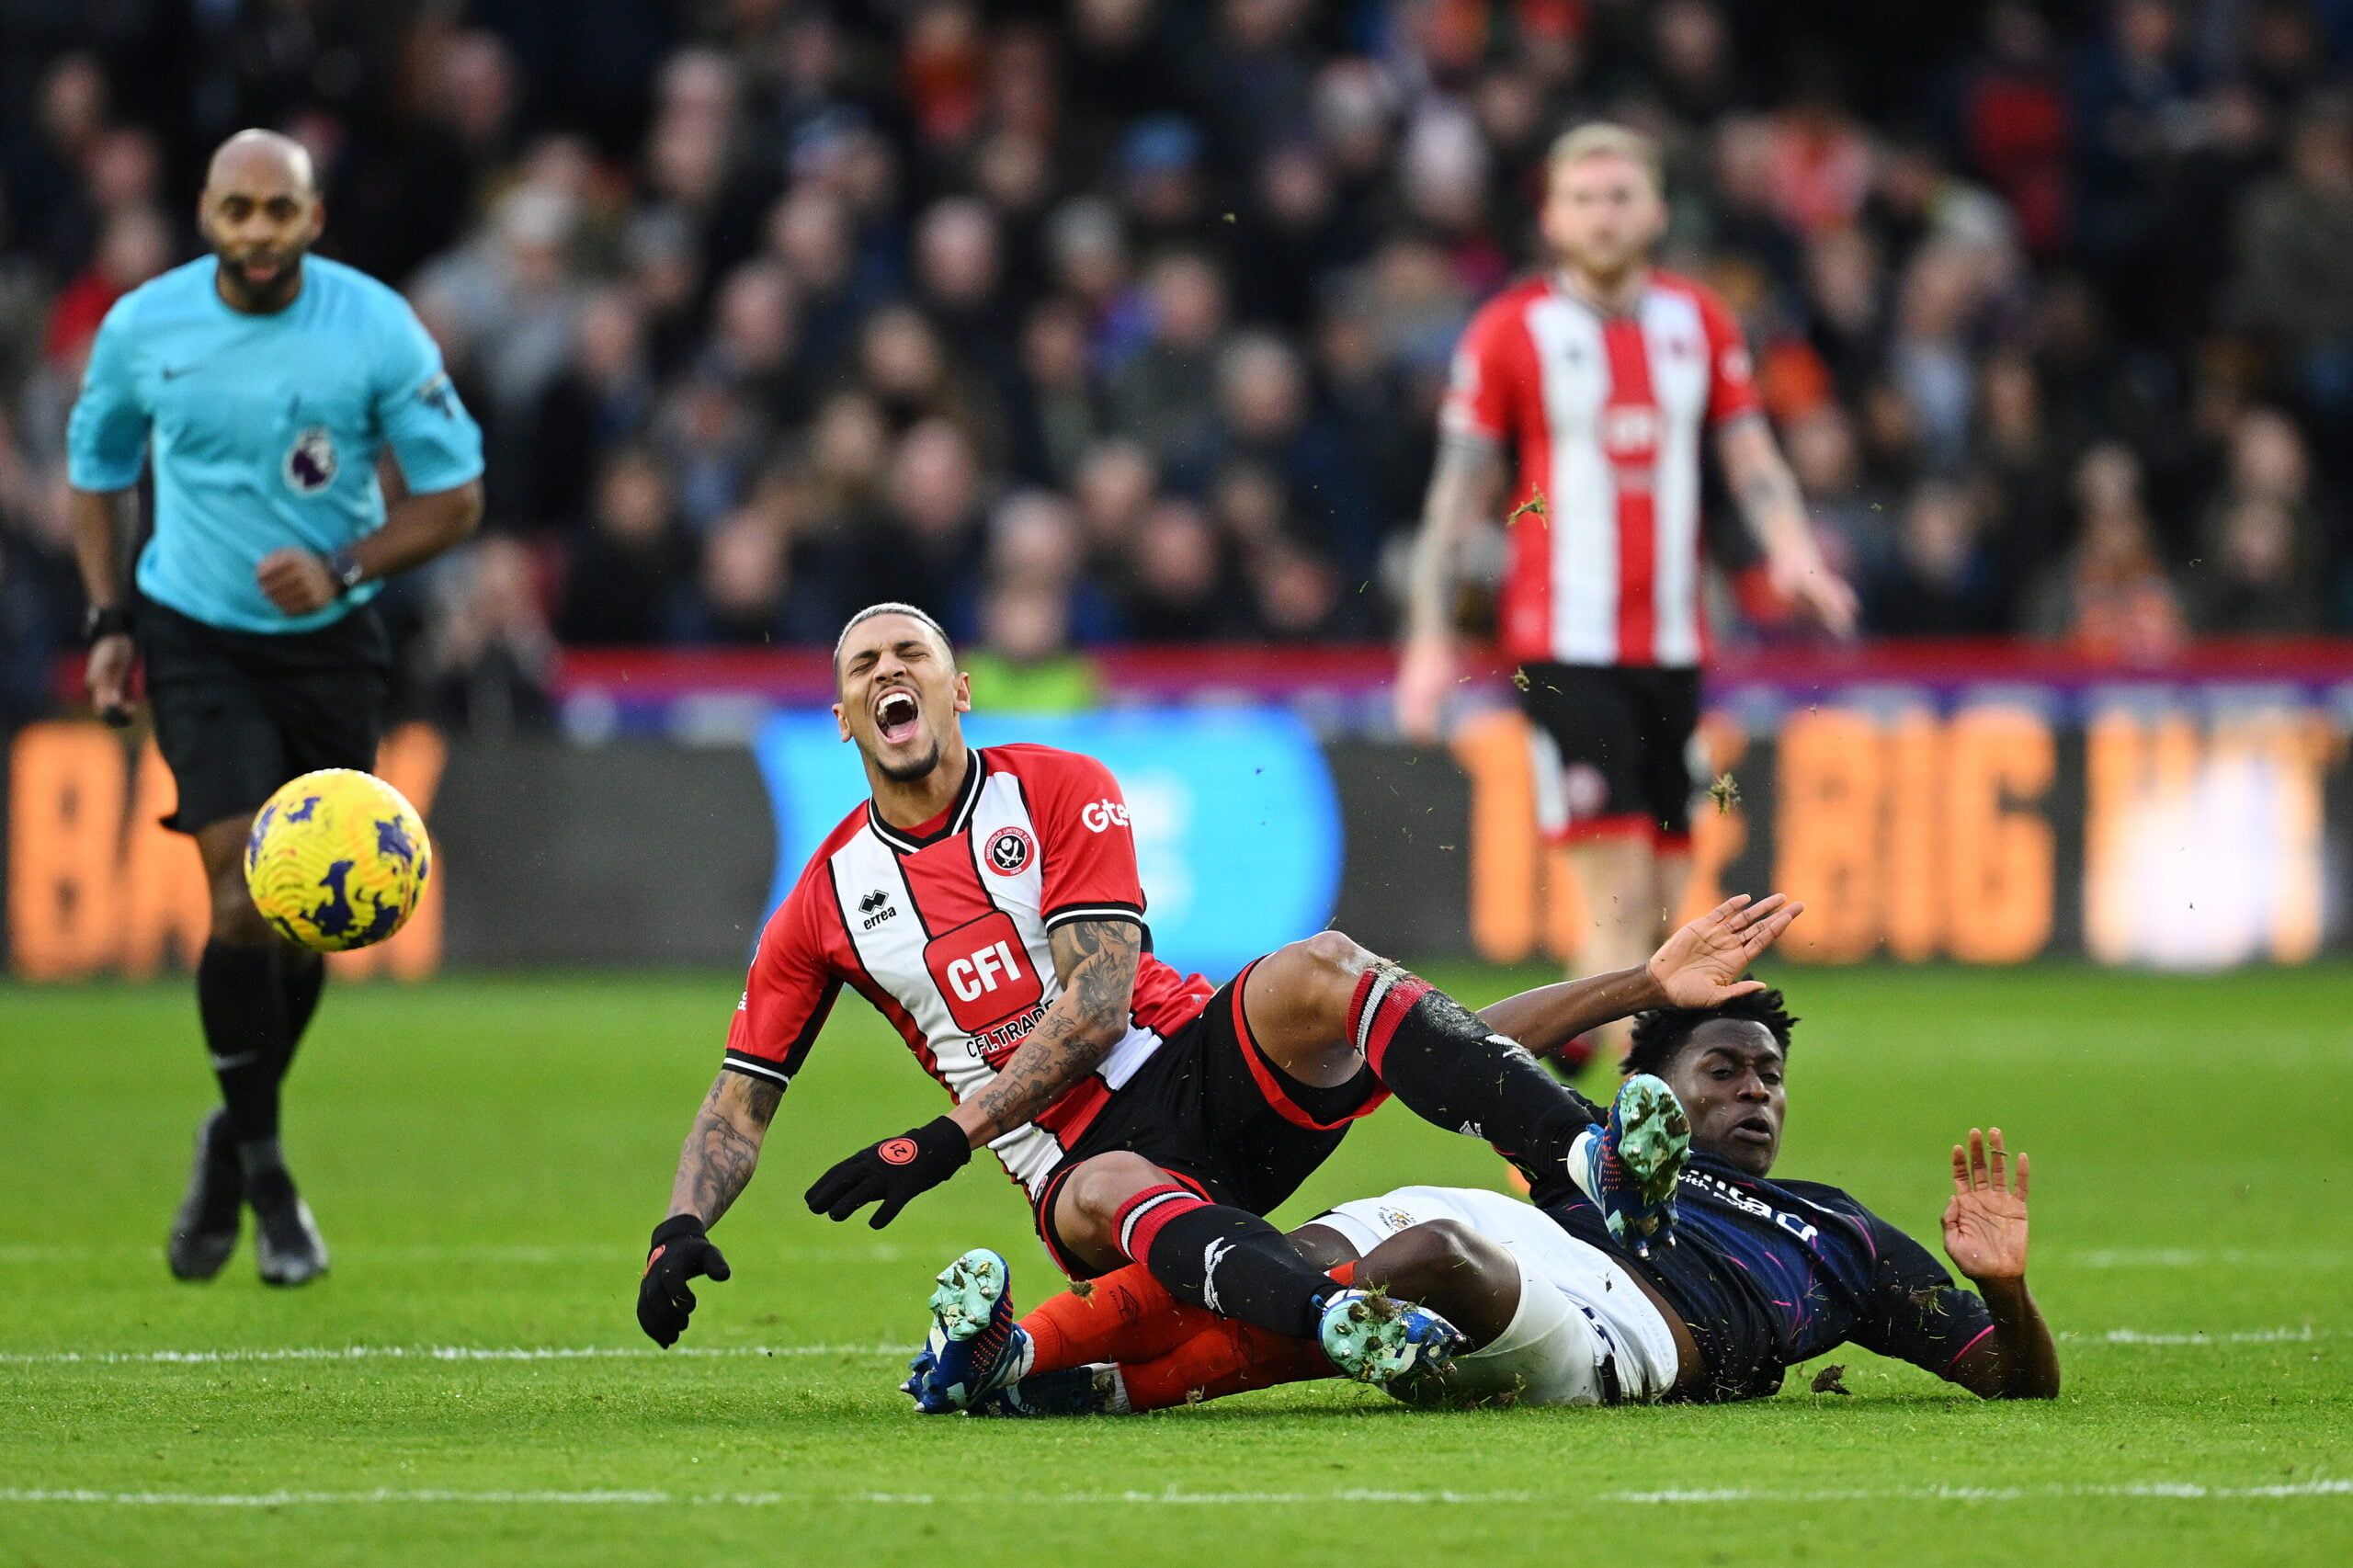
[{"x": 486, "y": 1156}]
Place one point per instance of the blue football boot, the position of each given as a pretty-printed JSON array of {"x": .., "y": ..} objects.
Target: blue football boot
[
  {"x": 975, "y": 1346},
  {"x": 1074, "y": 1390},
  {"x": 1629, "y": 1165},
  {"x": 1373, "y": 1339}
]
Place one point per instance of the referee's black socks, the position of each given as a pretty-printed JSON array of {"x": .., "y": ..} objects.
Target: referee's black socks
[
  {"x": 1451, "y": 1070},
  {"x": 242, "y": 995}
]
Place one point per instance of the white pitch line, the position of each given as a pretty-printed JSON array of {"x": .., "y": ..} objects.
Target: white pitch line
[
  {"x": 2162, "y": 1491},
  {"x": 632, "y": 1497},
  {"x": 2209, "y": 1257},
  {"x": 2169, "y": 1490},
  {"x": 2244, "y": 1336},
  {"x": 429, "y": 1353},
  {"x": 2123, "y": 1336}
]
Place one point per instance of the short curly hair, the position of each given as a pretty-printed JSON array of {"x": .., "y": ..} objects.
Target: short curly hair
[{"x": 1662, "y": 1032}]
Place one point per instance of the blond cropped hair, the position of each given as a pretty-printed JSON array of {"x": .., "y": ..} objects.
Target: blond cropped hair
[{"x": 1602, "y": 138}]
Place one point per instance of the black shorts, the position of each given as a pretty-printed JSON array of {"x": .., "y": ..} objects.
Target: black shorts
[
  {"x": 1210, "y": 1109},
  {"x": 1614, "y": 749},
  {"x": 238, "y": 714}
]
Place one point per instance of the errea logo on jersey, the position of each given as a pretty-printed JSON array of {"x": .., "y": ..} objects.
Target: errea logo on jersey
[{"x": 1101, "y": 815}]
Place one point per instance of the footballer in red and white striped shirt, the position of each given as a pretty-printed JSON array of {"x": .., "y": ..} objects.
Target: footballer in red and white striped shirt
[
  {"x": 1586, "y": 395},
  {"x": 986, "y": 903}
]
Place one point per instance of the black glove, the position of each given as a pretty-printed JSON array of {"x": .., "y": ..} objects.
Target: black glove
[
  {"x": 680, "y": 1252},
  {"x": 893, "y": 1172}
]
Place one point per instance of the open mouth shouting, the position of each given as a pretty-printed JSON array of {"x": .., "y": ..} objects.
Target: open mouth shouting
[{"x": 897, "y": 716}]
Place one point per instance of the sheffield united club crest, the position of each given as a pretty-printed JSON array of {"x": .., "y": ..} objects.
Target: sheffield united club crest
[{"x": 1009, "y": 851}]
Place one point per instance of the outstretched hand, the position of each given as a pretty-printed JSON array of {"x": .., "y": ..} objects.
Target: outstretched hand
[
  {"x": 1985, "y": 1222},
  {"x": 1701, "y": 964}
]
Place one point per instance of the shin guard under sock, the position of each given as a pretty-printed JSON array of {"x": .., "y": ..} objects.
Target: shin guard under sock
[
  {"x": 242, "y": 1005},
  {"x": 1227, "y": 1259},
  {"x": 1226, "y": 1357},
  {"x": 1126, "y": 1315},
  {"x": 1454, "y": 1072},
  {"x": 302, "y": 975}
]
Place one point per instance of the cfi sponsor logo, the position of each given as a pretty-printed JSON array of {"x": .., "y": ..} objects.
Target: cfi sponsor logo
[
  {"x": 310, "y": 461},
  {"x": 1009, "y": 851}
]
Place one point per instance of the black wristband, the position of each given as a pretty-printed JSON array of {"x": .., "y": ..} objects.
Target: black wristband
[
  {"x": 673, "y": 1229},
  {"x": 344, "y": 566},
  {"x": 101, "y": 622}
]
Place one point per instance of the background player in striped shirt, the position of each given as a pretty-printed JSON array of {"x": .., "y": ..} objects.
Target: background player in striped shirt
[
  {"x": 986, "y": 901},
  {"x": 1595, "y": 384}
]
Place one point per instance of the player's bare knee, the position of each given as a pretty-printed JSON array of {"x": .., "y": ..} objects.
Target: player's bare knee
[
  {"x": 1094, "y": 1190},
  {"x": 236, "y": 921},
  {"x": 1467, "y": 1277},
  {"x": 1322, "y": 972},
  {"x": 1433, "y": 1254}
]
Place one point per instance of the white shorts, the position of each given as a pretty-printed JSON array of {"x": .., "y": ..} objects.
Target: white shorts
[{"x": 1579, "y": 1312}]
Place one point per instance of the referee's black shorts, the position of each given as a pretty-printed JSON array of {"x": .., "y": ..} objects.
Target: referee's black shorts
[
  {"x": 1615, "y": 750},
  {"x": 238, "y": 714}
]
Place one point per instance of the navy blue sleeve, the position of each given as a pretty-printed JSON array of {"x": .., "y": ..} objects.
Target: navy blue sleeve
[{"x": 1914, "y": 1312}]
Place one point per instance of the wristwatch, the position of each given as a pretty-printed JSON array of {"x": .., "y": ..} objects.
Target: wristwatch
[
  {"x": 101, "y": 622},
  {"x": 344, "y": 566}
]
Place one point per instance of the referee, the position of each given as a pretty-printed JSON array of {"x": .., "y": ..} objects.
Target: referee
[{"x": 264, "y": 383}]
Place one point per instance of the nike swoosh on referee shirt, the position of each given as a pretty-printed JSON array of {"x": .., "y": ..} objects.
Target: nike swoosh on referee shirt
[{"x": 174, "y": 372}]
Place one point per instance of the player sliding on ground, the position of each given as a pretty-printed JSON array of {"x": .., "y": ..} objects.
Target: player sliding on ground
[
  {"x": 986, "y": 901},
  {"x": 1552, "y": 1310}
]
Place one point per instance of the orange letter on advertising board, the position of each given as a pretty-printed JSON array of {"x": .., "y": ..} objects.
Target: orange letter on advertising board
[
  {"x": 1493, "y": 749},
  {"x": 1719, "y": 829},
  {"x": 1826, "y": 831},
  {"x": 409, "y": 760},
  {"x": 1997, "y": 845},
  {"x": 64, "y": 823},
  {"x": 163, "y": 896},
  {"x": 1915, "y": 894}
]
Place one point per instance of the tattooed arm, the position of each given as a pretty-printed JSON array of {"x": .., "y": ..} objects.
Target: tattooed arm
[
  {"x": 1096, "y": 960},
  {"x": 1464, "y": 487},
  {"x": 724, "y": 1146},
  {"x": 1776, "y": 513}
]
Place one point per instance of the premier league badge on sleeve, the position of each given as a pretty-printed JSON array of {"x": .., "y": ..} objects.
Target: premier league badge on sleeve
[{"x": 310, "y": 461}]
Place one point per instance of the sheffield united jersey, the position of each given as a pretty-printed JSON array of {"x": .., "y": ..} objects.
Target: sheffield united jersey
[
  {"x": 1604, "y": 415},
  {"x": 944, "y": 928}
]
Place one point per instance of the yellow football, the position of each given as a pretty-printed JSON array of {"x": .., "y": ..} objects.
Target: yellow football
[{"x": 337, "y": 859}]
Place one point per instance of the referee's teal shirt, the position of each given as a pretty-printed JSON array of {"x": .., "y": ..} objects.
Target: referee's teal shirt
[{"x": 265, "y": 430}]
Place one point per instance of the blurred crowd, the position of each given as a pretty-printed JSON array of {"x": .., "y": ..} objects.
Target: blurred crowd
[{"x": 1088, "y": 321}]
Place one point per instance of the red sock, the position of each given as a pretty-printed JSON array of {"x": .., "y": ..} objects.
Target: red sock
[
  {"x": 1226, "y": 1357},
  {"x": 1128, "y": 1316}
]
